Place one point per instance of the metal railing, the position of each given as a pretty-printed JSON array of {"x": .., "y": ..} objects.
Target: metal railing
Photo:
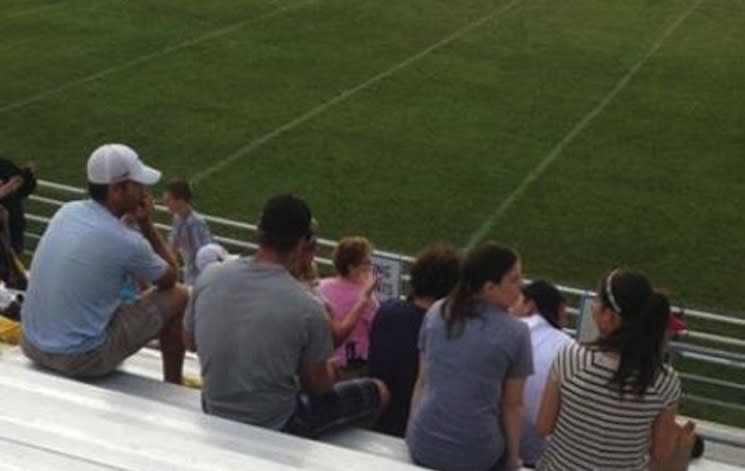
[{"x": 704, "y": 345}]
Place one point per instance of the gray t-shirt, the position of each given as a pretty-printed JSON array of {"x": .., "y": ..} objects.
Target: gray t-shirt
[
  {"x": 254, "y": 327},
  {"x": 457, "y": 425}
]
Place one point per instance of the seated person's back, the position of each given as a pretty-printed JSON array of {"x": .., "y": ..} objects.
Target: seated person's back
[
  {"x": 264, "y": 342},
  {"x": 353, "y": 263},
  {"x": 79, "y": 269},
  {"x": 74, "y": 321},
  {"x": 611, "y": 404},
  {"x": 466, "y": 408},
  {"x": 393, "y": 355},
  {"x": 262, "y": 326},
  {"x": 543, "y": 310}
]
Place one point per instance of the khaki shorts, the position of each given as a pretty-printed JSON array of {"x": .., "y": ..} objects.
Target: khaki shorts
[{"x": 130, "y": 329}]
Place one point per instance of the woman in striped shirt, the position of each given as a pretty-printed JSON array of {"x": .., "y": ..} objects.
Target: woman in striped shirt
[{"x": 611, "y": 404}]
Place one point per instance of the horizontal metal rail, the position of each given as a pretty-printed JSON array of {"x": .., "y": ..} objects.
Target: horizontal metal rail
[
  {"x": 686, "y": 349},
  {"x": 695, "y": 335},
  {"x": 713, "y": 402},
  {"x": 569, "y": 290},
  {"x": 712, "y": 381}
]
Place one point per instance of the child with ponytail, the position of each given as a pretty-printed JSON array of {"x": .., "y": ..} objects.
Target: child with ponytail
[
  {"x": 611, "y": 404},
  {"x": 466, "y": 410}
]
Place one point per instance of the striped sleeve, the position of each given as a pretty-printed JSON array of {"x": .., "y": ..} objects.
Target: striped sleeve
[
  {"x": 198, "y": 234},
  {"x": 173, "y": 234},
  {"x": 562, "y": 367},
  {"x": 670, "y": 390},
  {"x": 205, "y": 237}
]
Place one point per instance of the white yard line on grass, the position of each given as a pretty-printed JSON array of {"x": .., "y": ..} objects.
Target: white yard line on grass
[
  {"x": 534, "y": 174},
  {"x": 149, "y": 57},
  {"x": 345, "y": 94},
  {"x": 31, "y": 11}
]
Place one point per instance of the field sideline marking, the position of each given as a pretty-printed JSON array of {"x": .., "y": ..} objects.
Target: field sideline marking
[
  {"x": 345, "y": 94},
  {"x": 31, "y": 11},
  {"x": 507, "y": 203},
  {"x": 149, "y": 57}
]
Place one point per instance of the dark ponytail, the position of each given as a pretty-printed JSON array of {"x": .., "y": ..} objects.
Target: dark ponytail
[
  {"x": 638, "y": 340},
  {"x": 486, "y": 262}
]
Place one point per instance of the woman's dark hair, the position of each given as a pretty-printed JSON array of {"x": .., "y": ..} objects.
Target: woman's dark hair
[
  {"x": 435, "y": 271},
  {"x": 547, "y": 299},
  {"x": 486, "y": 262},
  {"x": 638, "y": 340}
]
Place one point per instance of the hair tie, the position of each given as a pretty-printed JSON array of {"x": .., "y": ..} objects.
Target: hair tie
[{"x": 609, "y": 292}]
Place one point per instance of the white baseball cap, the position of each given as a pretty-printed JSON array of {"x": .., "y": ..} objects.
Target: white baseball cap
[
  {"x": 113, "y": 163},
  {"x": 209, "y": 254}
]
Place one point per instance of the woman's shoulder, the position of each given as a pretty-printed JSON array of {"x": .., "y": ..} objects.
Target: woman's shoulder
[
  {"x": 327, "y": 282},
  {"x": 578, "y": 353},
  {"x": 514, "y": 326},
  {"x": 334, "y": 285},
  {"x": 434, "y": 316},
  {"x": 668, "y": 377}
]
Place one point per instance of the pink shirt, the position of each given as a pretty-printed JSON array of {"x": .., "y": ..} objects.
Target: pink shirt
[{"x": 342, "y": 295}]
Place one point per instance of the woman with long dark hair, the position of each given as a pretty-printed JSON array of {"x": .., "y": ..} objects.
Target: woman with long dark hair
[
  {"x": 466, "y": 410},
  {"x": 611, "y": 404},
  {"x": 543, "y": 310}
]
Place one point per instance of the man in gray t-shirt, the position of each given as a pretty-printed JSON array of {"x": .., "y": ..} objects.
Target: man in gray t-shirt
[
  {"x": 258, "y": 322},
  {"x": 264, "y": 343}
]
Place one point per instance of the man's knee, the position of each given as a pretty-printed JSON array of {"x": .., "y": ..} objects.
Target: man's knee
[
  {"x": 383, "y": 394},
  {"x": 172, "y": 300}
]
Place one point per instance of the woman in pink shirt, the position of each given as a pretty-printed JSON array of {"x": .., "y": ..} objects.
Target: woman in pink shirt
[{"x": 353, "y": 263}]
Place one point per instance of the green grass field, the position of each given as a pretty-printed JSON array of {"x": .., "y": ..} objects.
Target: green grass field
[{"x": 413, "y": 121}]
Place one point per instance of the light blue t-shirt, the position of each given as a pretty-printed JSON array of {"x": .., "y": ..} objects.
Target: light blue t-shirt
[
  {"x": 77, "y": 274},
  {"x": 456, "y": 425}
]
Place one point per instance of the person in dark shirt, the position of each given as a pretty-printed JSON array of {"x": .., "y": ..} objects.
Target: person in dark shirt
[
  {"x": 16, "y": 183},
  {"x": 393, "y": 355}
]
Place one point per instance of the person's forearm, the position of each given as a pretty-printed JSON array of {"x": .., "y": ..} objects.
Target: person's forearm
[
  {"x": 332, "y": 368},
  {"x": 158, "y": 244},
  {"x": 513, "y": 424},
  {"x": 6, "y": 189},
  {"x": 345, "y": 327},
  {"x": 416, "y": 397}
]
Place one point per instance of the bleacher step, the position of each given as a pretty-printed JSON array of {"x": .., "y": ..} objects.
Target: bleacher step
[
  {"x": 94, "y": 424},
  {"x": 135, "y": 396}
]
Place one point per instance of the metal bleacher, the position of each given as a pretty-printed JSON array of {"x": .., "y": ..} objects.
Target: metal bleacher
[{"x": 133, "y": 421}]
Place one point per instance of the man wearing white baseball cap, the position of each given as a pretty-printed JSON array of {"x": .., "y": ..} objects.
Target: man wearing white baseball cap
[{"x": 73, "y": 321}]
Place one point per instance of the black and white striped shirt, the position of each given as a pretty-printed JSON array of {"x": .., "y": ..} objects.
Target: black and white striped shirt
[{"x": 597, "y": 429}]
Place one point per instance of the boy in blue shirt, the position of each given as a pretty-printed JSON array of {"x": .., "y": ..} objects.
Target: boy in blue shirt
[{"x": 189, "y": 231}]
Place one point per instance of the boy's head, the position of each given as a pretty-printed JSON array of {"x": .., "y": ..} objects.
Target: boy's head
[{"x": 177, "y": 196}]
